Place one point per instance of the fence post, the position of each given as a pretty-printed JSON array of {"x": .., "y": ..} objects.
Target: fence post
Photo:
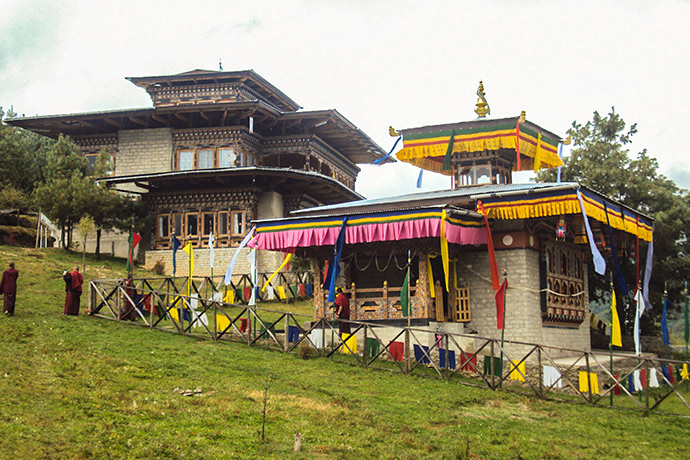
[
  {"x": 353, "y": 298},
  {"x": 364, "y": 354},
  {"x": 407, "y": 350},
  {"x": 541, "y": 379},
  {"x": 589, "y": 380},
  {"x": 285, "y": 334},
  {"x": 385, "y": 299},
  {"x": 493, "y": 370}
]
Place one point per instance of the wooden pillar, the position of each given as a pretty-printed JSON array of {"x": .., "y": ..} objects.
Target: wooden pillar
[
  {"x": 386, "y": 305},
  {"x": 353, "y": 302},
  {"x": 439, "y": 302}
]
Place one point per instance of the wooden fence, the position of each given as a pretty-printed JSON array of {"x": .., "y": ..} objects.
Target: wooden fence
[{"x": 644, "y": 383}]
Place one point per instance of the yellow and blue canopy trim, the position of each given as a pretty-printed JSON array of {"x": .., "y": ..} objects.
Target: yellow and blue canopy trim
[
  {"x": 426, "y": 147},
  {"x": 560, "y": 202}
]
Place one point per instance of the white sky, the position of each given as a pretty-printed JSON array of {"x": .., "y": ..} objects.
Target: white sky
[{"x": 379, "y": 63}]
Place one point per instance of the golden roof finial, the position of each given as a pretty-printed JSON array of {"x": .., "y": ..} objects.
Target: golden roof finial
[
  {"x": 483, "y": 108},
  {"x": 523, "y": 116},
  {"x": 393, "y": 132},
  {"x": 567, "y": 140}
]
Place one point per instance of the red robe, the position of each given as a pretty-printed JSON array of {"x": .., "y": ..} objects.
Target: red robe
[
  {"x": 343, "y": 302},
  {"x": 8, "y": 287},
  {"x": 73, "y": 287}
]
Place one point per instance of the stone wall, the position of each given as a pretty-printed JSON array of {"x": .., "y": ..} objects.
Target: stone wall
[
  {"x": 267, "y": 261},
  {"x": 144, "y": 151},
  {"x": 523, "y": 320}
]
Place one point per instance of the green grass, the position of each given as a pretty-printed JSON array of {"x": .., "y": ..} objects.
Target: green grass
[{"x": 82, "y": 387}]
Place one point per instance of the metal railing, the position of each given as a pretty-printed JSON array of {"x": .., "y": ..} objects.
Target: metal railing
[{"x": 644, "y": 383}]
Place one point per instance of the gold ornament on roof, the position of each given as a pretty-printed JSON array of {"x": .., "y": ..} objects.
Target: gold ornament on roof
[
  {"x": 392, "y": 131},
  {"x": 483, "y": 108},
  {"x": 523, "y": 116},
  {"x": 567, "y": 140}
]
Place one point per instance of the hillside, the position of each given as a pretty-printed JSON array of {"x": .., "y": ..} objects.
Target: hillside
[{"x": 81, "y": 387}]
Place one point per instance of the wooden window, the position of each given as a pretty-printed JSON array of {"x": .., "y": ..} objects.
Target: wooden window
[
  {"x": 209, "y": 220},
  {"x": 226, "y": 158},
  {"x": 223, "y": 223},
  {"x": 206, "y": 159},
  {"x": 192, "y": 225},
  {"x": 237, "y": 223},
  {"x": 462, "y": 303},
  {"x": 177, "y": 225},
  {"x": 563, "y": 301},
  {"x": 185, "y": 160},
  {"x": 163, "y": 226}
]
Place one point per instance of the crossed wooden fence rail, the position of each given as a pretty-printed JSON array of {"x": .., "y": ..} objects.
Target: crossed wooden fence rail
[{"x": 643, "y": 383}]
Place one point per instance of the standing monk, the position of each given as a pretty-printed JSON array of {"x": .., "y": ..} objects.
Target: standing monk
[
  {"x": 8, "y": 287},
  {"x": 342, "y": 311},
  {"x": 73, "y": 283}
]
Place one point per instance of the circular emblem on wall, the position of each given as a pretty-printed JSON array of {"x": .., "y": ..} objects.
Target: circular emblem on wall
[{"x": 507, "y": 240}]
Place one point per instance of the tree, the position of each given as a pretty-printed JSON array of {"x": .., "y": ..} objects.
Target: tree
[
  {"x": 64, "y": 197},
  {"x": 600, "y": 160},
  {"x": 85, "y": 226}
]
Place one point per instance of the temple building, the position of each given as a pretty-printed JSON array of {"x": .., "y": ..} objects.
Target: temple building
[
  {"x": 216, "y": 150},
  {"x": 463, "y": 243}
]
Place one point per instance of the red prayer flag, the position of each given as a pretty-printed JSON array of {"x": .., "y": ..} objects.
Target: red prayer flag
[
  {"x": 135, "y": 239},
  {"x": 500, "y": 302},
  {"x": 490, "y": 244}
]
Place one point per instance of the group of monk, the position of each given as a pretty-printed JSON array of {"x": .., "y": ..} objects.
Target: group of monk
[{"x": 73, "y": 288}]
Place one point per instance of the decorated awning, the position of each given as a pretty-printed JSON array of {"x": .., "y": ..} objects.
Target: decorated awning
[
  {"x": 564, "y": 200},
  {"x": 427, "y": 147},
  {"x": 461, "y": 227}
]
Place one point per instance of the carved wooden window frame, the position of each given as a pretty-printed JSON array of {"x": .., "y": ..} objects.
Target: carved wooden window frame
[{"x": 563, "y": 284}]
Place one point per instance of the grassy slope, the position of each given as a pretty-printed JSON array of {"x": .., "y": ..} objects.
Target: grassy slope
[{"x": 81, "y": 387}]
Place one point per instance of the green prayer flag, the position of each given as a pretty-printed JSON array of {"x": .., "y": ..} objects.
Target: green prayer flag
[
  {"x": 405, "y": 294},
  {"x": 687, "y": 321},
  {"x": 449, "y": 153}
]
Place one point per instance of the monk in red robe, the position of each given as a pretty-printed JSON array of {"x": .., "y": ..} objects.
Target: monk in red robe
[
  {"x": 73, "y": 289},
  {"x": 8, "y": 288},
  {"x": 342, "y": 311}
]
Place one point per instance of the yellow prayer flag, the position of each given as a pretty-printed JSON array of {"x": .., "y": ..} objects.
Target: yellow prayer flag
[
  {"x": 615, "y": 322},
  {"x": 222, "y": 323},
  {"x": 174, "y": 315},
  {"x": 684, "y": 374},
  {"x": 285, "y": 262},
  {"x": 432, "y": 288},
  {"x": 189, "y": 250},
  {"x": 350, "y": 342},
  {"x": 281, "y": 292},
  {"x": 444, "y": 248},
  {"x": 229, "y": 296},
  {"x": 593, "y": 381},
  {"x": 514, "y": 368}
]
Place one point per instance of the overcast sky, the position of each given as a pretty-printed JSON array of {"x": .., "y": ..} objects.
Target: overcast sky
[{"x": 379, "y": 63}]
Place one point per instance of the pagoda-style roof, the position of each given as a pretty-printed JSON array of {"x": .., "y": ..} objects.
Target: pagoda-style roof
[
  {"x": 428, "y": 146},
  {"x": 322, "y": 188},
  {"x": 158, "y": 87},
  {"x": 329, "y": 125}
]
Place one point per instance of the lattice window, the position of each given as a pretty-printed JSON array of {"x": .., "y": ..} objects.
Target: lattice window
[
  {"x": 562, "y": 277},
  {"x": 462, "y": 303}
]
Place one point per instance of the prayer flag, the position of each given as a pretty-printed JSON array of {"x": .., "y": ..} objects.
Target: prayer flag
[
  {"x": 190, "y": 251},
  {"x": 614, "y": 257},
  {"x": 444, "y": 248},
  {"x": 133, "y": 240},
  {"x": 500, "y": 303},
  {"x": 449, "y": 152},
  {"x": 653, "y": 380},
  {"x": 514, "y": 368},
  {"x": 229, "y": 296},
  {"x": 615, "y": 322},
  {"x": 684, "y": 373},
  {"x": 490, "y": 243},
  {"x": 560, "y": 155},
  {"x": 597, "y": 258},
  {"x": 432, "y": 287},
  {"x": 288, "y": 256},
  {"x": 639, "y": 309},
  {"x": 211, "y": 240},
  {"x": 648, "y": 273},
  {"x": 252, "y": 272},
  {"x": 405, "y": 294},
  {"x": 419, "y": 179},
  {"x": 334, "y": 262},
  {"x": 687, "y": 319},
  {"x": 664, "y": 322},
  {"x": 588, "y": 381},
  {"x": 231, "y": 265},
  {"x": 176, "y": 246},
  {"x": 380, "y": 160}
]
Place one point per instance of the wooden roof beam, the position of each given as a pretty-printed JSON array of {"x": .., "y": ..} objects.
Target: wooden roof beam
[
  {"x": 136, "y": 120},
  {"x": 114, "y": 123}
]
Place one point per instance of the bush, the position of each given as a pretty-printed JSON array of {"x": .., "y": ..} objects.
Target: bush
[
  {"x": 305, "y": 351},
  {"x": 159, "y": 267}
]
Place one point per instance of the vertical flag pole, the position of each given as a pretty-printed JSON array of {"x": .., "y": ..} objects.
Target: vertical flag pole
[
  {"x": 687, "y": 320},
  {"x": 503, "y": 331},
  {"x": 613, "y": 293}
]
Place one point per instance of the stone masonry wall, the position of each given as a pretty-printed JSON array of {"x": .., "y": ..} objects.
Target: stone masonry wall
[
  {"x": 144, "y": 151},
  {"x": 523, "y": 303},
  {"x": 267, "y": 261}
]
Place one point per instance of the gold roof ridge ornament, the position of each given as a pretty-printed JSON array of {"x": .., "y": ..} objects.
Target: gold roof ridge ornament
[{"x": 483, "y": 108}]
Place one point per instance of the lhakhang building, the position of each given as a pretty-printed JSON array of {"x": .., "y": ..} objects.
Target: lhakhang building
[{"x": 217, "y": 150}]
